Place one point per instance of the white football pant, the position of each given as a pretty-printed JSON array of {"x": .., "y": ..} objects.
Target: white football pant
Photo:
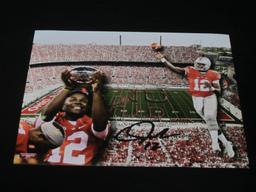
[{"x": 206, "y": 107}]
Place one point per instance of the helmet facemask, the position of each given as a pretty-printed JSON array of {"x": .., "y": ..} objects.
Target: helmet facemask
[{"x": 202, "y": 61}]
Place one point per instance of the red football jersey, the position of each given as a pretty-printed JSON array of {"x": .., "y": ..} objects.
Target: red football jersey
[
  {"x": 80, "y": 145},
  {"x": 196, "y": 81},
  {"x": 22, "y": 138}
]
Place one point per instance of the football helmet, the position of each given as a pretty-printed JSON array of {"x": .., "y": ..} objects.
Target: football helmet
[
  {"x": 53, "y": 132},
  {"x": 202, "y": 61}
]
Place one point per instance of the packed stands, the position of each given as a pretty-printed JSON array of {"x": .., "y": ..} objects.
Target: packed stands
[
  {"x": 108, "y": 53},
  {"x": 189, "y": 148},
  {"x": 136, "y": 65}
]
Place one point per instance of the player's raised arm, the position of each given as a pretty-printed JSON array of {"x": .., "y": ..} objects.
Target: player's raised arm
[
  {"x": 99, "y": 112},
  {"x": 168, "y": 63},
  {"x": 56, "y": 104}
]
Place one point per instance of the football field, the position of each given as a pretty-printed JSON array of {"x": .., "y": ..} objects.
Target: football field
[
  {"x": 141, "y": 104},
  {"x": 174, "y": 104}
]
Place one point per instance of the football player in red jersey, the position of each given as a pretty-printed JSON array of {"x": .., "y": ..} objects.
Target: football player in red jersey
[
  {"x": 33, "y": 141},
  {"x": 84, "y": 134},
  {"x": 203, "y": 83}
]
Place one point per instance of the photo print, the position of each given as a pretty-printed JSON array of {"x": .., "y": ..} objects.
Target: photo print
[{"x": 131, "y": 99}]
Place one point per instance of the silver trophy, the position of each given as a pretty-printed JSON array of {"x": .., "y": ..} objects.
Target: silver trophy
[{"x": 82, "y": 75}]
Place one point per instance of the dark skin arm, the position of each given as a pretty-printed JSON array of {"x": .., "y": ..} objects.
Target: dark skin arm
[
  {"x": 56, "y": 104},
  {"x": 169, "y": 64},
  {"x": 213, "y": 87},
  {"x": 99, "y": 112}
]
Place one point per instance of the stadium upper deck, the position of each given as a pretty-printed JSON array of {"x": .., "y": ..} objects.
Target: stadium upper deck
[{"x": 108, "y": 53}]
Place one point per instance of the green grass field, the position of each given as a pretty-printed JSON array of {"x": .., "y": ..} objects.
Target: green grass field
[
  {"x": 157, "y": 103},
  {"x": 134, "y": 104}
]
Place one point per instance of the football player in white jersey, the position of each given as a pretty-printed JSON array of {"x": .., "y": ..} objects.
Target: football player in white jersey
[{"x": 203, "y": 83}]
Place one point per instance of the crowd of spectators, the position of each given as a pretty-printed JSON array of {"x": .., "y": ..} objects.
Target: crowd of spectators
[
  {"x": 123, "y": 65},
  {"x": 47, "y": 78},
  {"x": 42, "y": 77},
  {"x": 40, "y": 81},
  {"x": 190, "y": 148},
  {"x": 230, "y": 91},
  {"x": 110, "y": 53}
]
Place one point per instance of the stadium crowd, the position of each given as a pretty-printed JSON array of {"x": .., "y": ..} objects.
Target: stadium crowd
[
  {"x": 40, "y": 78},
  {"x": 110, "y": 53},
  {"x": 191, "y": 148},
  {"x": 135, "y": 71},
  {"x": 132, "y": 73},
  {"x": 229, "y": 90},
  {"x": 43, "y": 79}
]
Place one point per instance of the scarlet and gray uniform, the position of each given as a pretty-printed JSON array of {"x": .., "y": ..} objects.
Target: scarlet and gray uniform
[
  {"x": 204, "y": 100},
  {"x": 23, "y": 137},
  {"x": 80, "y": 145}
]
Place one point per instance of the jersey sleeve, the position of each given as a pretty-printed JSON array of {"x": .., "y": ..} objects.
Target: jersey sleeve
[
  {"x": 23, "y": 137},
  {"x": 215, "y": 76}
]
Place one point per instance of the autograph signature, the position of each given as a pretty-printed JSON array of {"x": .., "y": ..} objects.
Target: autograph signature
[{"x": 126, "y": 134}]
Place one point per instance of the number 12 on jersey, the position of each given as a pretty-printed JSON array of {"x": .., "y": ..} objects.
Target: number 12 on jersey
[
  {"x": 68, "y": 157},
  {"x": 199, "y": 85}
]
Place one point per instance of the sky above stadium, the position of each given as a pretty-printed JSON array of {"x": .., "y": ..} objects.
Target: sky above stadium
[{"x": 131, "y": 38}]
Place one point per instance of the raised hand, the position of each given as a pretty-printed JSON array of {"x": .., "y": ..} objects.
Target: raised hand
[
  {"x": 66, "y": 78},
  {"x": 159, "y": 55},
  {"x": 97, "y": 80}
]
